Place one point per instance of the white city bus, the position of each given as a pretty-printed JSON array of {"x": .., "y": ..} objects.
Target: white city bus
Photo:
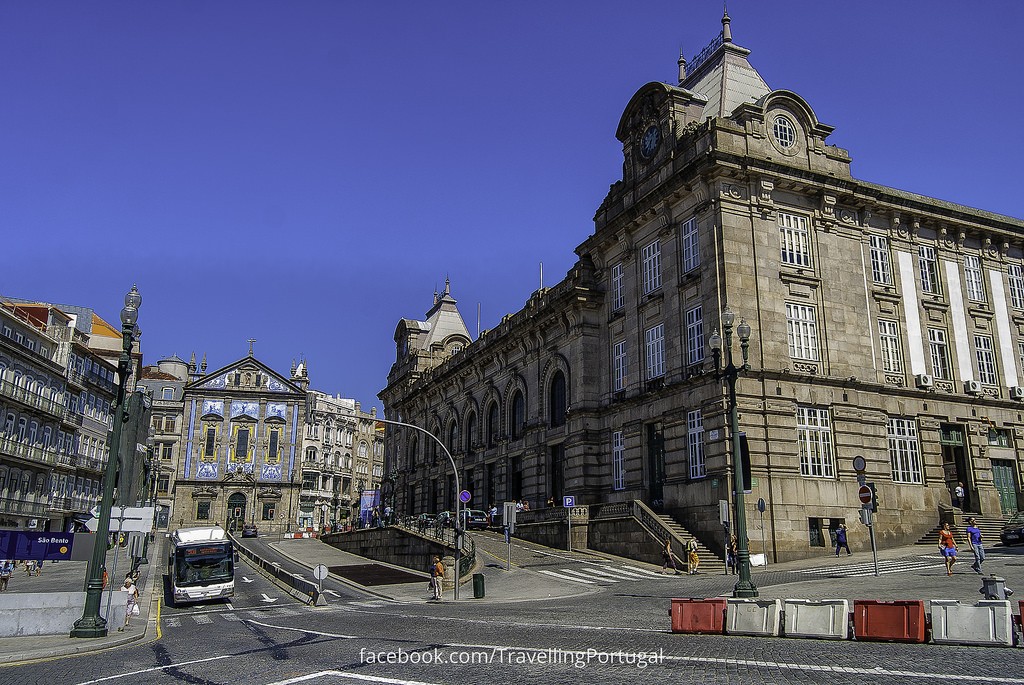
[{"x": 200, "y": 564}]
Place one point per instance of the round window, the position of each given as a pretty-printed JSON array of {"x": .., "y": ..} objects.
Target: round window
[{"x": 784, "y": 131}]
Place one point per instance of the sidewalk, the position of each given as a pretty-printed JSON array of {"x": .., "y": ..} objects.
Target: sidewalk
[{"x": 68, "y": 576}]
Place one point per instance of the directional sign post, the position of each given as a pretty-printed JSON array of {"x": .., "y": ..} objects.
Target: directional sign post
[{"x": 320, "y": 572}]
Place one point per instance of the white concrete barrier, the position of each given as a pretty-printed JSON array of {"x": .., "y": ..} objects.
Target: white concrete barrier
[
  {"x": 51, "y": 613},
  {"x": 753, "y": 616},
  {"x": 989, "y": 622},
  {"x": 827, "y": 619}
]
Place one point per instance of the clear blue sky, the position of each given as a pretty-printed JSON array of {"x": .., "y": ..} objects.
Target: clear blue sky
[{"x": 306, "y": 173}]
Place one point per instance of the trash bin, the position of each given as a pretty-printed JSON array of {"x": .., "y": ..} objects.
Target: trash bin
[{"x": 478, "y": 585}]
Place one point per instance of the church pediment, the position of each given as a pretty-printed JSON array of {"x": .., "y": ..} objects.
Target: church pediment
[{"x": 246, "y": 375}]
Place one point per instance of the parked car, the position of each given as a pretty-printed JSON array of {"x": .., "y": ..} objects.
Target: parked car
[
  {"x": 476, "y": 519},
  {"x": 249, "y": 530},
  {"x": 1013, "y": 530}
]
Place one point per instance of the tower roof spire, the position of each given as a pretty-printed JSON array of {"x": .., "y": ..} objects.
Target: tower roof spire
[{"x": 726, "y": 30}]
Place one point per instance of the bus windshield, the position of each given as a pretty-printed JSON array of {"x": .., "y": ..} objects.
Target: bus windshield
[{"x": 203, "y": 564}]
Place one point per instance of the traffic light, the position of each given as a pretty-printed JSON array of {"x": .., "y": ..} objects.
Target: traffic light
[{"x": 874, "y": 497}]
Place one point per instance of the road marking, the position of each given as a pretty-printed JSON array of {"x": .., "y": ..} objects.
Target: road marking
[
  {"x": 303, "y": 630},
  {"x": 159, "y": 634},
  {"x": 354, "y": 676},
  {"x": 627, "y": 574},
  {"x": 559, "y": 575},
  {"x": 332, "y": 592},
  {"x": 609, "y": 575},
  {"x": 246, "y": 580},
  {"x": 173, "y": 622},
  {"x": 643, "y": 571},
  {"x": 228, "y": 616},
  {"x": 131, "y": 674},
  {"x": 267, "y": 598},
  {"x": 581, "y": 574},
  {"x": 202, "y": 619}
]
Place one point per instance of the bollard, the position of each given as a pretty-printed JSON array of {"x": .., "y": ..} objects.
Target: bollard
[
  {"x": 994, "y": 587},
  {"x": 478, "y": 586}
]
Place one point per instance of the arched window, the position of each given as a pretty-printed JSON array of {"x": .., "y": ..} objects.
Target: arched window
[
  {"x": 493, "y": 425},
  {"x": 517, "y": 417},
  {"x": 453, "y": 437},
  {"x": 470, "y": 430},
  {"x": 362, "y": 450},
  {"x": 556, "y": 399}
]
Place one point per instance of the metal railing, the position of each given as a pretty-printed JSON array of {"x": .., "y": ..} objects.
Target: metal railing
[
  {"x": 31, "y": 399},
  {"x": 23, "y": 450},
  {"x": 20, "y": 507},
  {"x": 444, "y": 533}
]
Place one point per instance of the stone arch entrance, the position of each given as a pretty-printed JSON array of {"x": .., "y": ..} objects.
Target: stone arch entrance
[{"x": 236, "y": 511}]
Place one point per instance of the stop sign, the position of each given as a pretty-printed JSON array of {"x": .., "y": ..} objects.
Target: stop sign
[{"x": 865, "y": 494}]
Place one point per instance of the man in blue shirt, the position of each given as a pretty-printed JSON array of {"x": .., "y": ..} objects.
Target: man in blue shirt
[{"x": 974, "y": 540}]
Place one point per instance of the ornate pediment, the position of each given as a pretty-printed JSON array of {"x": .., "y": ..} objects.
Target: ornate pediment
[
  {"x": 204, "y": 491},
  {"x": 246, "y": 375}
]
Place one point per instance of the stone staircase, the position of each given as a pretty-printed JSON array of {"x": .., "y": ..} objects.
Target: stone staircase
[
  {"x": 990, "y": 527},
  {"x": 709, "y": 563}
]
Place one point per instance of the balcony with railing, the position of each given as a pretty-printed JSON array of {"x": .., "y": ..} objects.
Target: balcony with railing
[
  {"x": 17, "y": 449},
  {"x": 31, "y": 399},
  {"x": 19, "y": 507}
]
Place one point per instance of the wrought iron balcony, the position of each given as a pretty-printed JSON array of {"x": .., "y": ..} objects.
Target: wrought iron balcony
[
  {"x": 23, "y": 450},
  {"x": 31, "y": 399}
]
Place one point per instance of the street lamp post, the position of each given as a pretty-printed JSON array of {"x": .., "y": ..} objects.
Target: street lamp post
[
  {"x": 458, "y": 491},
  {"x": 744, "y": 586},
  {"x": 92, "y": 624}
]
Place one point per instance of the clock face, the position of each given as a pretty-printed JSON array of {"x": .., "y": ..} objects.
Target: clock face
[{"x": 649, "y": 141}]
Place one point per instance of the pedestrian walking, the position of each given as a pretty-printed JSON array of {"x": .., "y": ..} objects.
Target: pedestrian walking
[
  {"x": 668, "y": 559},
  {"x": 947, "y": 547},
  {"x": 436, "y": 578},
  {"x": 732, "y": 554},
  {"x": 131, "y": 606},
  {"x": 6, "y": 570},
  {"x": 841, "y": 541},
  {"x": 692, "y": 558},
  {"x": 974, "y": 541}
]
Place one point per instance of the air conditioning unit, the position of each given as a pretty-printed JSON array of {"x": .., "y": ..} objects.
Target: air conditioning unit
[
  {"x": 1017, "y": 393},
  {"x": 924, "y": 381},
  {"x": 972, "y": 387}
]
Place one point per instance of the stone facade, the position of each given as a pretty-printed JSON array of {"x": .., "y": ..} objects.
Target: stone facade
[
  {"x": 884, "y": 324},
  {"x": 240, "y": 435},
  {"x": 57, "y": 396},
  {"x": 342, "y": 455}
]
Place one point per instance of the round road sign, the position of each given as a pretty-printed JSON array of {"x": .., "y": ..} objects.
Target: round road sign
[
  {"x": 859, "y": 464},
  {"x": 319, "y": 571},
  {"x": 464, "y": 496},
  {"x": 865, "y": 494}
]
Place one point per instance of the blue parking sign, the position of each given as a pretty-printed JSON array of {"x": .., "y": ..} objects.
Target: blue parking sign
[{"x": 568, "y": 501}]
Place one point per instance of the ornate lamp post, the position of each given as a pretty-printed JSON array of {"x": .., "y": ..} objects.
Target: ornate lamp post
[
  {"x": 744, "y": 586},
  {"x": 92, "y": 624}
]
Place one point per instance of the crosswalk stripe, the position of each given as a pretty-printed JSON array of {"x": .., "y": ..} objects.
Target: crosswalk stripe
[
  {"x": 228, "y": 616},
  {"x": 172, "y": 622},
  {"x": 644, "y": 571},
  {"x": 202, "y": 618},
  {"x": 627, "y": 574},
  {"x": 581, "y": 574},
  {"x": 610, "y": 575},
  {"x": 559, "y": 575}
]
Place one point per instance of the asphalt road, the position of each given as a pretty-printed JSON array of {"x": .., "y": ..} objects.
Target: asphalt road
[{"x": 612, "y": 634}]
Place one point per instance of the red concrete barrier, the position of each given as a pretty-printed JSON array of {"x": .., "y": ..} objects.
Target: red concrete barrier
[
  {"x": 698, "y": 615},
  {"x": 889, "y": 621}
]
